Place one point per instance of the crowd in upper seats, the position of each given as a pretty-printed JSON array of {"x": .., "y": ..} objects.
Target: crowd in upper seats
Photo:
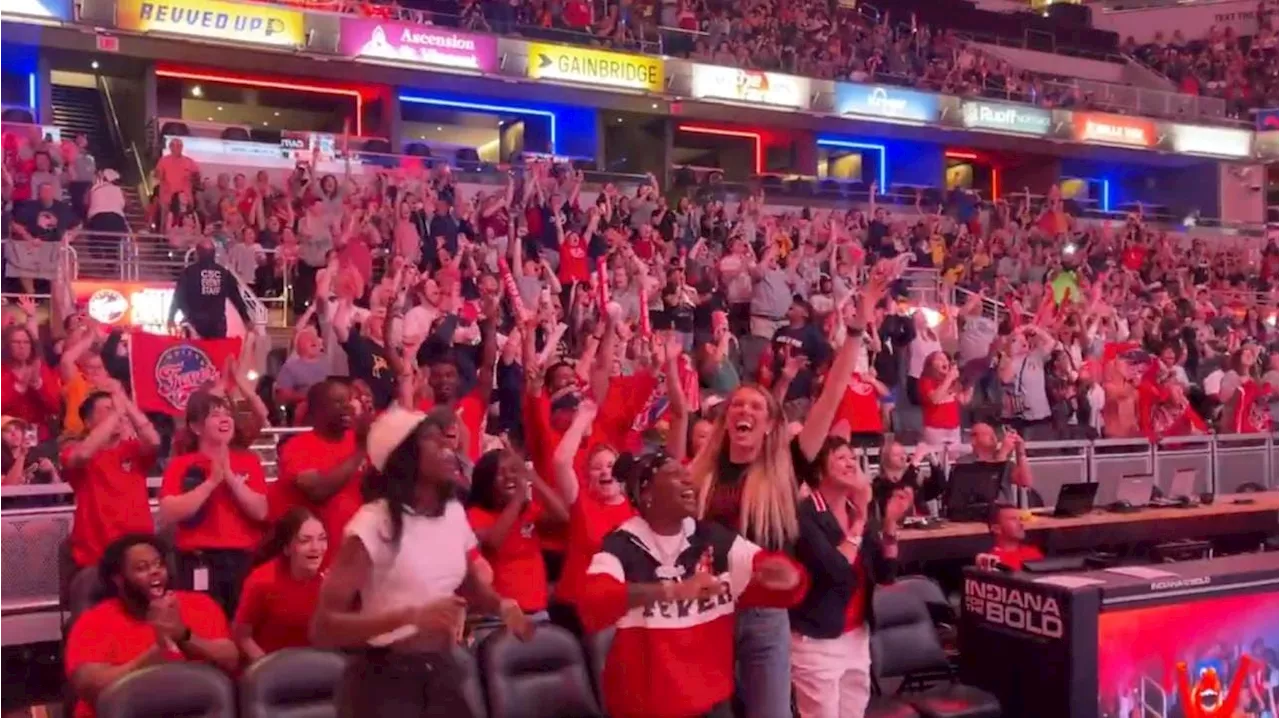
[{"x": 1239, "y": 68}]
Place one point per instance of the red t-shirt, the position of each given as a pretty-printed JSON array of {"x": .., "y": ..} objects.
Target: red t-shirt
[
  {"x": 589, "y": 522},
  {"x": 1014, "y": 558},
  {"x": 1133, "y": 257},
  {"x": 107, "y": 634},
  {"x": 574, "y": 265},
  {"x": 519, "y": 572},
  {"x": 278, "y": 607},
  {"x": 937, "y": 416},
  {"x": 310, "y": 452},
  {"x": 111, "y": 498},
  {"x": 472, "y": 412},
  {"x": 855, "y": 611},
  {"x": 860, "y": 406},
  {"x": 576, "y": 14},
  {"x": 220, "y": 523}
]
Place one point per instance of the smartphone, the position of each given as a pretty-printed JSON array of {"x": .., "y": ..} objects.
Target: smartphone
[{"x": 30, "y": 438}]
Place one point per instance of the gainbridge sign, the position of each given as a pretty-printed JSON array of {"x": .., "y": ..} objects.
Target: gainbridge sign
[{"x": 595, "y": 67}]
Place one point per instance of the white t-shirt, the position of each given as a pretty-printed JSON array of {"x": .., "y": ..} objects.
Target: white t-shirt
[{"x": 430, "y": 564}]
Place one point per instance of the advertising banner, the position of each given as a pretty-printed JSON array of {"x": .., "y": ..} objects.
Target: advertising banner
[
  {"x": 1267, "y": 120},
  {"x": 595, "y": 67},
  {"x": 140, "y": 305},
  {"x": 886, "y": 102},
  {"x": 166, "y": 371},
  {"x": 753, "y": 86},
  {"x": 1215, "y": 141},
  {"x": 215, "y": 20},
  {"x": 1018, "y": 119},
  {"x": 1099, "y": 128},
  {"x": 418, "y": 44},
  {"x": 44, "y": 9}
]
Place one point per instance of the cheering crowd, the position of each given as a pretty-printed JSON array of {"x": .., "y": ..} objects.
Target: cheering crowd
[{"x": 636, "y": 410}]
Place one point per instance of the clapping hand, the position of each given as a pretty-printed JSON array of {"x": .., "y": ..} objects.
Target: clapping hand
[{"x": 776, "y": 574}]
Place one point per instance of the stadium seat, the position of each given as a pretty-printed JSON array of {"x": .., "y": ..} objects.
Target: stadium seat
[
  {"x": 18, "y": 115},
  {"x": 417, "y": 149},
  {"x": 597, "y": 645},
  {"x": 471, "y": 688},
  {"x": 292, "y": 683},
  {"x": 905, "y": 645},
  {"x": 238, "y": 134},
  {"x": 178, "y": 129},
  {"x": 172, "y": 689},
  {"x": 377, "y": 145},
  {"x": 86, "y": 589},
  {"x": 467, "y": 158},
  {"x": 544, "y": 677},
  {"x": 928, "y": 590}
]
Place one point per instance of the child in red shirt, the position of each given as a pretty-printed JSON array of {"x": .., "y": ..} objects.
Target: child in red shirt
[
  {"x": 280, "y": 594},
  {"x": 505, "y": 514},
  {"x": 597, "y": 506}
]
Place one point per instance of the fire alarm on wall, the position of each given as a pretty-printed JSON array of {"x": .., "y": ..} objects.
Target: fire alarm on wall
[{"x": 108, "y": 43}]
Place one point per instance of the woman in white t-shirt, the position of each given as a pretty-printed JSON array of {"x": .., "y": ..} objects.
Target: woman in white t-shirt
[{"x": 402, "y": 611}]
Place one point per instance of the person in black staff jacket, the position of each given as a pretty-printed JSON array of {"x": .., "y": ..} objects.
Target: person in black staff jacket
[
  {"x": 847, "y": 551},
  {"x": 202, "y": 292}
]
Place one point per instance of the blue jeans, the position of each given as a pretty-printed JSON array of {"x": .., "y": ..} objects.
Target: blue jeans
[{"x": 763, "y": 651}]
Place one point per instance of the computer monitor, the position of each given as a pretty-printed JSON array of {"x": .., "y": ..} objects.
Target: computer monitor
[
  {"x": 972, "y": 489},
  {"x": 1075, "y": 499}
]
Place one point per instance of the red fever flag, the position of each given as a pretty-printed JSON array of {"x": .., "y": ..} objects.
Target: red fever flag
[{"x": 166, "y": 371}]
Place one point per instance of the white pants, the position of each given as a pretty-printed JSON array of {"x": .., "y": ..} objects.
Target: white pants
[{"x": 832, "y": 676}]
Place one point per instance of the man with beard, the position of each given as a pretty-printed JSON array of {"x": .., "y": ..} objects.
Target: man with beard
[
  {"x": 142, "y": 623},
  {"x": 321, "y": 469}
]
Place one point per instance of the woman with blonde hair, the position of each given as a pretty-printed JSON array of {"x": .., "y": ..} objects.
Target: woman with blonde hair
[{"x": 747, "y": 481}]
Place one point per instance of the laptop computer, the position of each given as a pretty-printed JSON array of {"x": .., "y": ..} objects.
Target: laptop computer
[
  {"x": 1135, "y": 490},
  {"x": 1075, "y": 499},
  {"x": 1183, "y": 484}
]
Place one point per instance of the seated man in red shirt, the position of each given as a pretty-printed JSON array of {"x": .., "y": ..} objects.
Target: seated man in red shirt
[
  {"x": 141, "y": 623},
  {"x": 107, "y": 468},
  {"x": 1011, "y": 548}
]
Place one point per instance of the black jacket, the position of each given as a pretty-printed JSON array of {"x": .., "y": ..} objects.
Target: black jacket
[{"x": 821, "y": 613}]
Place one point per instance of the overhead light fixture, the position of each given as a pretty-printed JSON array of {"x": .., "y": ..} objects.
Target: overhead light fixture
[
  {"x": 753, "y": 136},
  {"x": 94, "y": 64},
  {"x": 219, "y": 108},
  {"x": 231, "y": 79},
  {"x": 883, "y": 174},
  {"x": 210, "y": 119},
  {"x": 197, "y": 91},
  {"x": 276, "y": 113},
  {"x": 483, "y": 107},
  {"x": 439, "y": 128}
]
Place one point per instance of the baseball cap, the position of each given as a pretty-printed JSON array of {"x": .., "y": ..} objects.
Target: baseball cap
[{"x": 388, "y": 432}]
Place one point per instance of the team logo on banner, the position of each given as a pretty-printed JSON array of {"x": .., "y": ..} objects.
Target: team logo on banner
[
  {"x": 167, "y": 370},
  {"x": 180, "y": 371}
]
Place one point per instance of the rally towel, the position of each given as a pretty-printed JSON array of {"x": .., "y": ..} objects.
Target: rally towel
[
  {"x": 166, "y": 371},
  {"x": 32, "y": 260}
]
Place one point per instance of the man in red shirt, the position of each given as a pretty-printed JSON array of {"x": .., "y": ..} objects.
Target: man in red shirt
[
  {"x": 1011, "y": 548},
  {"x": 107, "y": 468},
  {"x": 321, "y": 469},
  {"x": 141, "y": 623}
]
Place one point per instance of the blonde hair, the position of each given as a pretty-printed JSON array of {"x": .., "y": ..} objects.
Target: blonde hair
[{"x": 769, "y": 492}]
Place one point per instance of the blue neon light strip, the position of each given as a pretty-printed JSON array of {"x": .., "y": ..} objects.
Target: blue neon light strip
[
  {"x": 480, "y": 107},
  {"x": 884, "y": 162},
  {"x": 32, "y": 101},
  {"x": 1106, "y": 195}
]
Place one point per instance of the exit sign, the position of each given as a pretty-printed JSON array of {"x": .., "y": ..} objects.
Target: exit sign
[{"x": 108, "y": 43}]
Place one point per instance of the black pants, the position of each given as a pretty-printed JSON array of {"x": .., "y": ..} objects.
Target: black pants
[
  {"x": 383, "y": 684},
  {"x": 304, "y": 287},
  {"x": 226, "y": 568}
]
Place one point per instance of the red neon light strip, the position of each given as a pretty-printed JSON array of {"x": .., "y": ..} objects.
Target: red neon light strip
[
  {"x": 754, "y": 136},
  {"x": 238, "y": 80},
  {"x": 960, "y": 155}
]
